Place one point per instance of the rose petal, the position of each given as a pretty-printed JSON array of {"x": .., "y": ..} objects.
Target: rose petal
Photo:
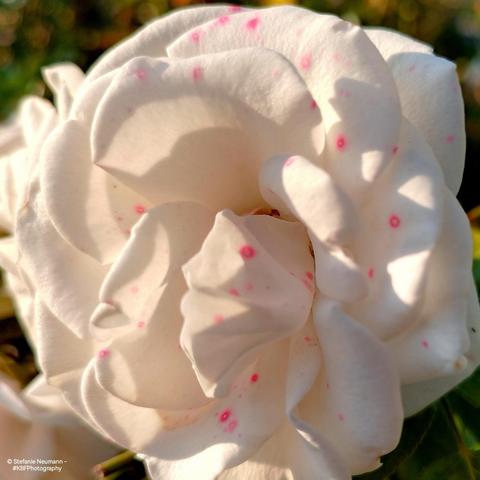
[
  {"x": 431, "y": 82},
  {"x": 389, "y": 42},
  {"x": 356, "y": 402},
  {"x": 248, "y": 287},
  {"x": 92, "y": 210},
  {"x": 56, "y": 268},
  {"x": 436, "y": 344},
  {"x": 146, "y": 284},
  {"x": 162, "y": 241},
  {"x": 359, "y": 82},
  {"x": 198, "y": 443},
  {"x": 296, "y": 184},
  {"x": 215, "y": 106},
  {"x": 399, "y": 225},
  {"x": 153, "y": 39},
  {"x": 64, "y": 79}
]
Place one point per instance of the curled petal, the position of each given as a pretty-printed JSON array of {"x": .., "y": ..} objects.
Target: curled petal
[
  {"x": 310, "y": 194},
  {"x": 436, "y": 344},
  {"x": 359, "y": 82},
  {"x": 159, "y": 111},
  {"x": 248, "y": 287},
  {"x": 430, "y": 81}
]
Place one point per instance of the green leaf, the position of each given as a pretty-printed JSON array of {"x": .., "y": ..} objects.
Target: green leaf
[
  {"x": 470, "y": 389},
  {"x": 414, "y": 429},
  {"x": 444, "y": 452}
]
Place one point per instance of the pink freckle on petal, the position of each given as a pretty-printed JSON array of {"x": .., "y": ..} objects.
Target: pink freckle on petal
[
  {"x": 232, "y": 425},
  {"x": 249, "y": 286},
  {"x": 224, "y": 19},
  {"x": 450, "y": 138},
  {"x": 371, "y": 273},
  {"x": 197, "y": 73},
  {"x": 341, "y": 417},
  {"x": 307, "y": 339},
  {"x": 104, "y": 353},
  {"x": 313, "y": 104},
  {"x": 224, "y": 416},
  {"x": 395, "y": 149},
  {"x": 235, "y": 8},
  {"x": 252, "y": 24},
  {"x": 394, "y": 221},
  {"x": 309, "y": 286},
  {"x": 309, "y": 275},
  {"x": 289, "y": 161},
  {"x": 140, "y": 324},
  {"x": 218, "y": 318},
  {"x": 247, "y": 252},
  {"x": 254, "y": 378},
  {"x": 141, "y": 73},
  {"x": 134, "y": 289},
  {"x": 306, "y": 61},
  {"x": 341, "y": 143},
  {"x": 425, "y": 344},
  {"x": 195, "y": 36},
  {"x": 140, "y": 209},
  {"x": 234, "y": 292}
]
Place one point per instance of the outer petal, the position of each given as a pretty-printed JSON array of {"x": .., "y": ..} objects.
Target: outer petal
[
  {"x": 233, "y": 110},
  {"x": 64, "y": 79},
  {"x": 153, "y": 39},
  {"x": 310, "y": 194},
  {"x": 360, "y": 81},
  {"x": 198, "y": 443},
  {"x": 57, "y": 269},
  {"x": 431, "y": 99},
  {"x": 436, "y": 344},
  {"x": 248, "y": 287},
  {"x": 356, "y": 402},
  {"x": 399, "y": 226},
  {"x": 91, "y": 209},
  {"x": 19, "y": 285}
]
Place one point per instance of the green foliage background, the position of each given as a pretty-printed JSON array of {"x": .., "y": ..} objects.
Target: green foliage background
[{"x": 443, "y": 441}]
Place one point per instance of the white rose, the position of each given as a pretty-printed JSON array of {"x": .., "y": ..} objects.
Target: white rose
[
  {"x": 245, "y": 245},
  {"x": 37, "y": 424}
]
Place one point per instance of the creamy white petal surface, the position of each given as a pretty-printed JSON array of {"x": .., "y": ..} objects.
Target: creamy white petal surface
[
  {"x": 236, "y": 245},
  {"x": 36, "y": 424}
]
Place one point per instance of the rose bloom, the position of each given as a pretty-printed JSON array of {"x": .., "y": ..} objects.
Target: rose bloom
[{"x": 245, "y": 252}]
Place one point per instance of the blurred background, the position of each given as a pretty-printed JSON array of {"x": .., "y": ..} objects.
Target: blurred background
[{"x": 34, "y": 33}]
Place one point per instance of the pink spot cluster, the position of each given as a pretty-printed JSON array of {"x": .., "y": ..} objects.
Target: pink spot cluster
[
  {"x": 341, "y": 143},
  {"x": 140, "y": 209},
  {"x": 394, "y": 221},
  {"x": 195, "y": 36},
  {"x": 141, "y": 73},
  {"x": 104, "y": 353},
  {"x": 223, "y": 20},
  {"x": 252, "y": 24},
  {"x": 197, "y": 73},
  {"x": 227, "y": 416},
  {"x": 306, "y": 61},
  {"x": 247, "y": 252}
]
